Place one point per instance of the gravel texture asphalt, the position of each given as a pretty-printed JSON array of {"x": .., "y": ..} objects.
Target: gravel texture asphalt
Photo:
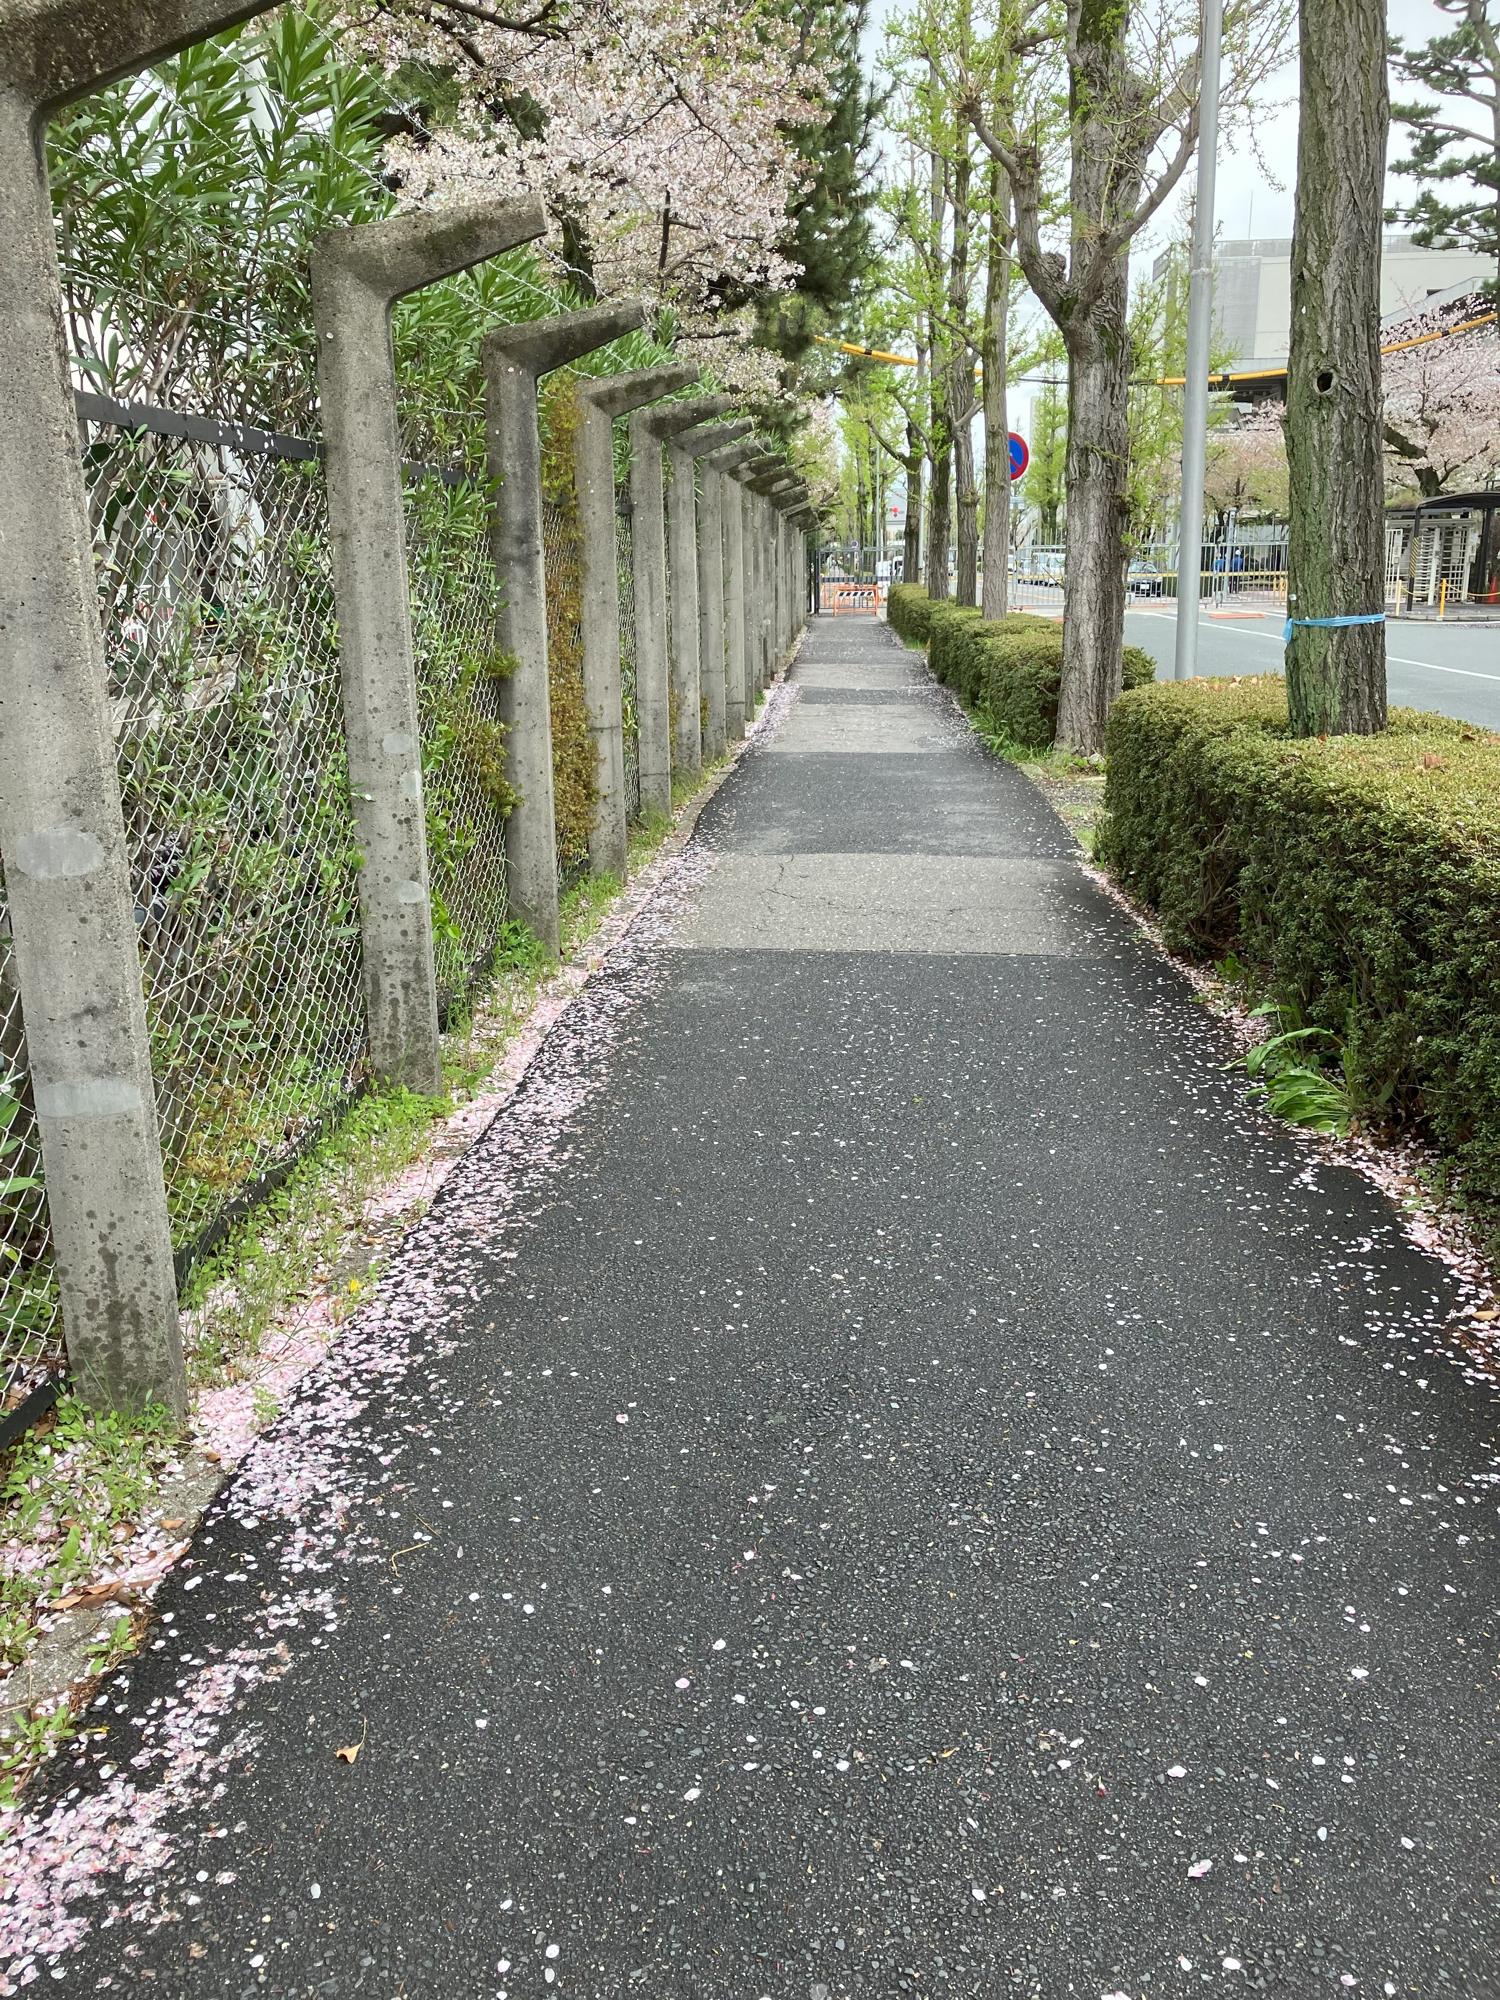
[{"x": 881, "y": 1475}]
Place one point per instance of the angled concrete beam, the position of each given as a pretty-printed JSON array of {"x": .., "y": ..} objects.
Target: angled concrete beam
[
  {"x": 62, "y": 832},
  {"x": 705, "y": 438},
  {"x": 686, "y": 414},
  {"x": 594, "y": 479},
  {"x": 357, "y": 276},
  {"x": 514, "y": 357},
  {"x": 56, "y": 50}
]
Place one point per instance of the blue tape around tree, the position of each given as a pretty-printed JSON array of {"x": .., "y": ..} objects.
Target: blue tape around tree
[{"x": 1354, "y": 618}]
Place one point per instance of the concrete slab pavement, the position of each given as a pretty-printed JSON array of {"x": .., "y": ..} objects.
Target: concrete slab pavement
[{"x": 881, "y": 1475}]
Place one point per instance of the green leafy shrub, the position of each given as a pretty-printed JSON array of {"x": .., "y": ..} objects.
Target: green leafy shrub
[
  {"x": 907, "y": 609},
  {"x": 962, "y": 642},
  {"x": 1356, "y": 879},
  {"x": 1015, "y": 673}
]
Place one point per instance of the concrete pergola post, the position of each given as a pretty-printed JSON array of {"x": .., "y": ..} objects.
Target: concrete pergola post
[
  {"x": 805, "y": 521},
  {"x": 757, "y": 579},
  {"x": 62, "y": 831},
  {"x": 700, "y": 443},
  {"x": 766, "y": 474},
  {"x": 357, "y": 276},
  {"x": 755, "y": 595},
  {"x": 772, "y": 479},
  {"x": 724, "y": 465},
  {"x": 594, "y": 479},
  {"x": 682, "y": 556},
  {"x": 514, "y": 358}
]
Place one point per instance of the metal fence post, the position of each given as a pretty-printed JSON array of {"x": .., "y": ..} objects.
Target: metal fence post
[
  {"x": 514, "y": 357},
  {"x": 682, "y": 558},
  {"x": 62, "y": 834},
  {"x": 594, "y": 478},
  {"x": 357, "y": 275}
]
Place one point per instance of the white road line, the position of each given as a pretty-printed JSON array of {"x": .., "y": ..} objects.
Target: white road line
[{"x": 1395, "y": 659}]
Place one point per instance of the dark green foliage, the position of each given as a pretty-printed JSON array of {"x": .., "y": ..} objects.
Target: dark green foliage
[
  {"x": 1018, "y": 677},
  {"x": 1355, "y": 878},
  {"x": 830, "y": 236},
  {"x": 908, "y": 608},
  {"x": 1456, "y": 165}
]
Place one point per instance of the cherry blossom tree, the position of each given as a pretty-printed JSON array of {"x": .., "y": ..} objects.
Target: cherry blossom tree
[
  {"x": 1442, "y": 401},
  {"x": 658, "y": 132}
]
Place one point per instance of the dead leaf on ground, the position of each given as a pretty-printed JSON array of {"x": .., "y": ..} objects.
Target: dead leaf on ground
[
  {"x": 351, "y": 1750},
  {"x": 94, "y": 1593}
]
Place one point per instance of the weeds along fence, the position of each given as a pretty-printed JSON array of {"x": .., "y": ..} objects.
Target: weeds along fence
[
  {"x": 221, "y": 642},
  {"x": 216, "y": 600}
]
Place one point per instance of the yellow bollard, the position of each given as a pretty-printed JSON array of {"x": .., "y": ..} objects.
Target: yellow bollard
[{"x": 1442, "y": 597}]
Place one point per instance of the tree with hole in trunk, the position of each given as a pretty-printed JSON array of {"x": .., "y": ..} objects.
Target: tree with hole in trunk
[
  {"x": 1132, "y": 70},
  {"x": 1335, "y": 673}
]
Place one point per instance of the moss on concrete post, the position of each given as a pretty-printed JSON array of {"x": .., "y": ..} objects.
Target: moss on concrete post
[
  {"x": 514, "y": 358},
  {"x": 594, "y": 481},
  {"x": 357, "y": 275}
]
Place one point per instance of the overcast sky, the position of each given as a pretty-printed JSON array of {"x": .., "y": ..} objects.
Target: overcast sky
[{"x": 1250, "y": 202}]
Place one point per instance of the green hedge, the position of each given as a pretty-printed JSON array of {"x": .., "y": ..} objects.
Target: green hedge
[
  {"x": 1356, "y": 877},
  {"x": 1006, "y": 669},
  {"x": 907, "y": 609}
]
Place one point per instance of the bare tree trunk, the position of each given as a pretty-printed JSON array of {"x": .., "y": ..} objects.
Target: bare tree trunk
[
  {"x": 1336, "y": 554},
  {"x": 961, "y": 383},
  {"x": 940, "y": 502},
  {"x": 911, "y": 532},
  {"x": 996, "y": 417},
  {"x": 966, "y": 497},
  {"x": 1098, "y": 510},
  {"x": 939, "y": 515}
]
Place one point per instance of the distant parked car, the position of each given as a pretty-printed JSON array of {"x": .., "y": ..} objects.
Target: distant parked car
[
  {"x": 1045, "y": 567},
  {"x": 1145, "y": 579}
]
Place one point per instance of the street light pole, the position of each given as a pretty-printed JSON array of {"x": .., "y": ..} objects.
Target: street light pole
[{"x": 1200, "y": 335}]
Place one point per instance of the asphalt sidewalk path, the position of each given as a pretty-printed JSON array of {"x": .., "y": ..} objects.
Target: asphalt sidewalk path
[{"x": 877, "y": 1469}]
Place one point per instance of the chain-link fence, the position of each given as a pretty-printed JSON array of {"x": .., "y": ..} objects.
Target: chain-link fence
[
  {"x": 221, "y": 649},
  {"x": 30, "y": 1325}
]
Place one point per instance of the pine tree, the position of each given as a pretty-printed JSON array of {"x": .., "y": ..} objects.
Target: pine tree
[
  {"x": 1454, "y": 153},
  {"x": 831, "y": 237}
]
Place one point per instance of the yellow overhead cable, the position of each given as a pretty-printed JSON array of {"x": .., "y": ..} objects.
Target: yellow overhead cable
[{"x": 1180, "y": 381}]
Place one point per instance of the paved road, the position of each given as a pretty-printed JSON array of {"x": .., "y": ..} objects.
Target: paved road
[
  {"x": 875, "y": 1472},
  {"x": 1452, "y": 668}
]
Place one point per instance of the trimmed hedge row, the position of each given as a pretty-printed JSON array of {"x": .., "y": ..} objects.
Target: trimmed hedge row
[
  {"x": 1007, "y": 669},
  {"x": 907, "y": 608},
  {"x": 1357, "y": 877}
]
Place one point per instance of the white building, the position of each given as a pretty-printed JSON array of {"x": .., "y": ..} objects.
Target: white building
[{"x": 1253, "y": 289}]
